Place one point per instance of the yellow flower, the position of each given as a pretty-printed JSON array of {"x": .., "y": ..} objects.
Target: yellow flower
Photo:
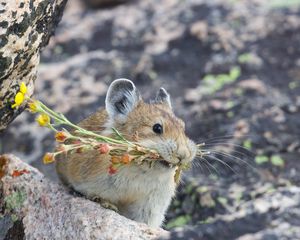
[
  {"x": 43, "y": 119},
  {"x": 48, "y": 158},
  {"x": 23, "y": 88},
  {"x": 33, "y": 106},
  {"x": 19, "y": 98}
]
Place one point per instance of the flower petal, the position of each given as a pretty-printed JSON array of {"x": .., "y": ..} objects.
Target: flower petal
[
  {"x": 19, "y": 98},
  {"x": 43, "y": 119},
  {"x": 23, "y": 88}
]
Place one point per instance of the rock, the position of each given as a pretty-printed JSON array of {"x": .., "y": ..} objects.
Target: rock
[
  {"x": 200, "y": 30},
  {"x": 25, "y": 27},
  {"x": 104, "y": 3},
  {"x": 36, "y": 208},
  {"x": 277, "y": 211},
  {"x": 254, "y": 85}
]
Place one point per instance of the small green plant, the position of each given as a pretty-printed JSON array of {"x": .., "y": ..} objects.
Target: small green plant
[
  {"x": 261, "y": 159},
  {"x": 293, "y": 85},
  {"x": 230, "y": 104},
  {"x": 206, "y": 221},
  {"x": 230, "y": 114},
  {"x": 276, "y": 160},
  {"x": 213, "y": 83},
  {"x": 223, "y": 201},
  {"x": 283, "y": 3},
  {"x": 179, "y": 221},
  {"x": 239, "y": 197},
  {"x": 271, "y": 190},
  {"x": 202, "y": 189},
  {"x": 247, "y": 144},
  {"x": 245, "y": 58}
]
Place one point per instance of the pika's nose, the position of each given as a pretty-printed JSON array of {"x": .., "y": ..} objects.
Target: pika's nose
[
  {"x": 181, "y": 153},
  {"x": 181, "y": 157}
]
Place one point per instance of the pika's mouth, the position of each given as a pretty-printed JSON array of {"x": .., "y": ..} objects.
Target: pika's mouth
[{"x": 166, "y": 164}]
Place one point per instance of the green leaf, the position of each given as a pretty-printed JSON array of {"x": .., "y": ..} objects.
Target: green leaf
[
  {"x": 213, "y": 83},
  {"x": 230, "y": 114},
  {"x": 261, "y": 159},
  {"x": 209, "y": 77},
  {"x": 234, "y": 73},
  {"x": 230, "y": 104},
  {"x": 283, "y": 3},
  {"x": 293, "y": 85},
  {"x": 223, "y": 78},
  {"x": 276, "y": 160},
  {"x": 247, "y": 144},
  {"x": 245, "y": 58},
  {"x": 207, "y": 220},
  {"x": 179, "y": 221},
  {"x": 222, "y": 200},
  {"x": 202, "y": 189}
]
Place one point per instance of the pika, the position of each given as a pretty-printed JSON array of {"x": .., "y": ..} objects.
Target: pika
[{"x": 140, "y": 192}]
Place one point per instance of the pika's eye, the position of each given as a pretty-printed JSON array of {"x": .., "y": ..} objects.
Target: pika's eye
[{"x": 157, "y": 128}]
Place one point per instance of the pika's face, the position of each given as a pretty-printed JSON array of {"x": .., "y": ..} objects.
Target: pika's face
[
  {"x": 153, "y": 125},
  {"x": 156, "y": 126}
]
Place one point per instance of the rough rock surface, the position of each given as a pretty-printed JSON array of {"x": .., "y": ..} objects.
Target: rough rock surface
[
  {"x": 179, "y": 45},
  {"x": 25, "y": 27},
  {"x": 103, "y": 3},
  {"x": 35, "y": 208},
  {"x": 274, "y": 215}
]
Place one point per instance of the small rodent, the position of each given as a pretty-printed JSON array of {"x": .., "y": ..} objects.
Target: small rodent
[{"x": 139, "y": 192}]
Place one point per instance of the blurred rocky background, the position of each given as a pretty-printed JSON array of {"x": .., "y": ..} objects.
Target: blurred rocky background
[{"x": 233, "y": 70}]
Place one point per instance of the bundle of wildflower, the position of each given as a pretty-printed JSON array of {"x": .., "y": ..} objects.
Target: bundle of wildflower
[{"x": 121, "y": 151}]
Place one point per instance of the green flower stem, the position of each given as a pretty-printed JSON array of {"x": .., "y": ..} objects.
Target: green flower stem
[
  {"x": 51, "y": 127},
  {"x": 118, "y": 146},
  {"x": 63, "y": 120},
  {"x": 120, "y": 136}
]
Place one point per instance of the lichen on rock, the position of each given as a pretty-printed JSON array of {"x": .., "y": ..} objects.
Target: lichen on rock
[{"x": 25, "y": 27}]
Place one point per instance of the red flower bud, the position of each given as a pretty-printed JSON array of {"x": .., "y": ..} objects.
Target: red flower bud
[
  {"x": 48, "y": 158},
  {"x": 79, "y": 150},
  {"x": 60, "y": 136},
  {"x": 112, "y": 170},
  {"x": 103, "y": 148},
  {"x": 126, "y": 158},
  {"x": 115, "y": 159}
]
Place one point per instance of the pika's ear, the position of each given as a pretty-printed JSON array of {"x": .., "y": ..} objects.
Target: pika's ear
[
  {"x": 163, "y": 96},
  {"x": 121, "y": 98}
]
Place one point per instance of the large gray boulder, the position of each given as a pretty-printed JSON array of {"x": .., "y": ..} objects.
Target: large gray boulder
[
  {"x": 33, "y": 207},
  {"x": 25, "y": 27}
]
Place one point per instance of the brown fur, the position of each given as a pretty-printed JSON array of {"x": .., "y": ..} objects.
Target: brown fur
[{"x": 140, "y": 193}]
